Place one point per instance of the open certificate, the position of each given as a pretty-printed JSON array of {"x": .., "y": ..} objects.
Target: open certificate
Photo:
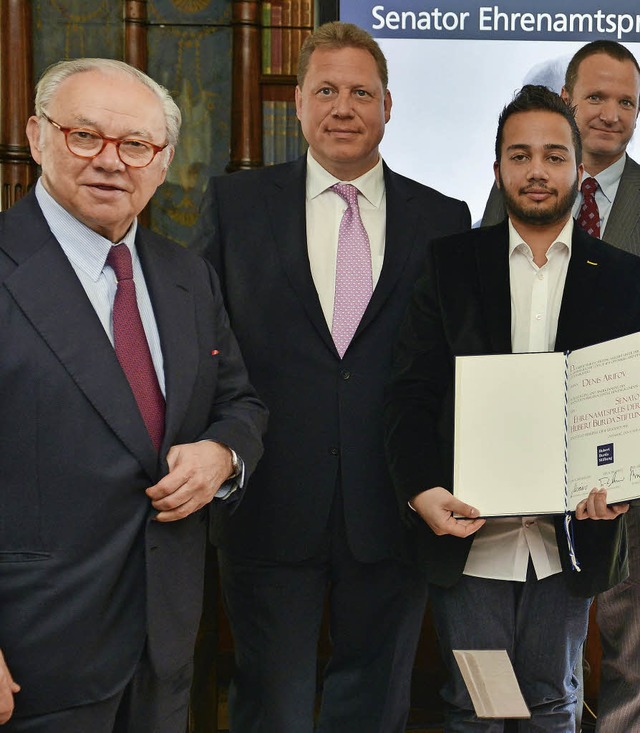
[{"x": 534, "y": 433}]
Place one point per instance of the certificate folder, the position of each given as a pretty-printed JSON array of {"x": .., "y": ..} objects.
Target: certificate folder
[
  {"x": 534, "y": 433},
  {"x": 491, "y": 682}
]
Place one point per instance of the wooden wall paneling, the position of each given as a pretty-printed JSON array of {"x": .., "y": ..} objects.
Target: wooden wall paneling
[
  {"x": 135, "y": 53},
  {"x": 135, "y": 33},
  {"x": 17, "y": 169},
  {"x": 246, "y": 104}
]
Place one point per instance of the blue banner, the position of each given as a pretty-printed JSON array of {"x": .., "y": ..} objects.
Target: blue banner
[{"x": 509, "y": 20}]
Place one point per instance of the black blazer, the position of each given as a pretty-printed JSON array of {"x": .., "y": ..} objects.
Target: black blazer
[
  {"x": 325, "y": 413},
  {"x": 462, "y": 306},
  {"x": 85, "y": 574}
]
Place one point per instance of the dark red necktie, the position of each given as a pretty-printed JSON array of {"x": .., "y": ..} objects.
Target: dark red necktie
[
  {"x": 589, "y": 216},
  {"x": 131, "y": 345}
]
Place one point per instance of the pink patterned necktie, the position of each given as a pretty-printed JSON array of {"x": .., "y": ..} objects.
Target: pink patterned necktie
[
  {"x": 354, "y": 282},
  {"x": 589, "y": 216},
  {"x": 131, "y": 345}
]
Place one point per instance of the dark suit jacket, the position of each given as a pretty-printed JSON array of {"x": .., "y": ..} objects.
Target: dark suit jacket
[
  {"x": 462, "y": 306},
  {"x": 325, "y": 413},
  {"x": 623, "y": 224},
  {"x": 85, "y": 574}
]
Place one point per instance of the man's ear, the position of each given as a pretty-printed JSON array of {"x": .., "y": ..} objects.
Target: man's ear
[
  {"x": 387, "y": 106},
  {"x": 33, "y": 135},
  {"x": 496, "y": 173},
  {"x": 298, "y": 98}
]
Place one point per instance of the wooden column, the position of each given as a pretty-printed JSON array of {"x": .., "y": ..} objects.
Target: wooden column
[
  {"x": 136, "y": 54},
  {"x": 246, "y": 103},
  {"x": 17, "y": 169},
  {"x": 135, "y": 33}
]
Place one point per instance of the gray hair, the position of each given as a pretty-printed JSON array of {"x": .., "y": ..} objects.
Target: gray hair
[{"x": 56, "y": 74}]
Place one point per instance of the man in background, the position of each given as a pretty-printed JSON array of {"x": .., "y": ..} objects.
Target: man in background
[
  {"x": 603, "y": 82},
  {"x": 534, "y": 282},
  {"x": 317, "y": 259},
  {"x": 125, "y": 410}
]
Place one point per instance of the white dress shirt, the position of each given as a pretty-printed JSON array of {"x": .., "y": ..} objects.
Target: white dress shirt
[
  {"x": 502, "y": 547},
  {"x": 324, "y": 210},
  {"x": 608, "y": 182}
]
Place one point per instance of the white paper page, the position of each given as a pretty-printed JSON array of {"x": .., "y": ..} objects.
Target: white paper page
[
  {"x": 509, "y": 433},
  {"x": 604, "y": 419},
  {"x": 492, "y": 683}
]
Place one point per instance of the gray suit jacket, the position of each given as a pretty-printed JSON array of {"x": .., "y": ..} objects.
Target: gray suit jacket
[{"x": 623, "y": 225}]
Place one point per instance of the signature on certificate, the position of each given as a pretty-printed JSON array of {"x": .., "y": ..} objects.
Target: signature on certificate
[{"x": 611, "y": 479}]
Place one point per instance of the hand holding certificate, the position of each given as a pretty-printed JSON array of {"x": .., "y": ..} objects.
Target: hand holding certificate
[
  {"x": 535, "y": 433},
  {"x": 446, "y": 514}
]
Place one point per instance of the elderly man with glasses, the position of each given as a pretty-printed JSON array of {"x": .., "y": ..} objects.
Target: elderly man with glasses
[{"x": 125, "y": 412}]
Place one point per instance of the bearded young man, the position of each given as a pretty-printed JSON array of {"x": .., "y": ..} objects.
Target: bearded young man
[{"x": 532, "y": 283}]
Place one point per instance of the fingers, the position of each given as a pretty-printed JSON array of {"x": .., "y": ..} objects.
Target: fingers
[
  {"x": 437, "y": 508},
  {"x": 8, "y": 688},
  {"x": 196, "y": 472},
  {"x": 462, "y": 527},
  {"x": 595, "y": 506}
]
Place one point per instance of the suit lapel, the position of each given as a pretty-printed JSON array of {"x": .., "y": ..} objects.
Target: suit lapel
[
  {"x": 174, "y": 310},
  {"x": 400, "y": 238},
  {"x": 575, "y": 324},
  {"x": 492, "y": 261},
  {"x": 46, "y": 288},
  {"x": 625, "y": 211},
  {"x": 286, "y": 204}
]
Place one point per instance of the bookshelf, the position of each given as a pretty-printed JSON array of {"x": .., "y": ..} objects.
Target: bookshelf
[{"x": 266, "y": 42}]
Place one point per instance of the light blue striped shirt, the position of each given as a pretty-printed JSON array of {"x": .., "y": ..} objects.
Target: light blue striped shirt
[{"x": 87, "y": 252}]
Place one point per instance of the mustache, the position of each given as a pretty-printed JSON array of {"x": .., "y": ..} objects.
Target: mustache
[{"x": 538, "y": 187}]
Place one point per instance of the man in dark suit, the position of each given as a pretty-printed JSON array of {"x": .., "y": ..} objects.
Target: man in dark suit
[
  {"x": 110, "y": 456},
  {"x": 532, "y": 283},
  {"x": 321, "y": 514},
  {"x": 603, "y": 82}
]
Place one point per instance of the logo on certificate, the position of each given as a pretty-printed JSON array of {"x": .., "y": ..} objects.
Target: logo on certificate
[{"x": 605, "y": 454}]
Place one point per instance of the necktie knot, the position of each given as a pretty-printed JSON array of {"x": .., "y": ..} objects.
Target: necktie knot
[
  {"x": 347, "y": 191},
  {"x": 119, "y": 258},
  {"x": 589, "y": 186}
]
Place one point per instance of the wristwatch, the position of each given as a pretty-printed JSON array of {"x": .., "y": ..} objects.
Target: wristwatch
[{"x": 236, "y": 465}]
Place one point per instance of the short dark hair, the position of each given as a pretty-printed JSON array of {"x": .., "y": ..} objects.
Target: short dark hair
[
  {"x": 341, "y": 35},
  {"x": 536, "y": 98},
  {"x": 610, "y": 48}
]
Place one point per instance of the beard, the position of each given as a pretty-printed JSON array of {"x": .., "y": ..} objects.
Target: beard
[{"x": 536, "y": 214}]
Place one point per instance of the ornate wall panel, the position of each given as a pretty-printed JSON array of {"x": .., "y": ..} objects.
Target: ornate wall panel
[
  {"x": 190, "y": 54},
  {"x": 75, "y": 28}
]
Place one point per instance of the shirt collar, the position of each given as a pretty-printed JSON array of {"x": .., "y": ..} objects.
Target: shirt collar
[
  {"x": 369, "y": 184},
  {"x": 563, "y": 239},
  {"x": 87, "y": 250},
  {"x": 609, "y": 178}
]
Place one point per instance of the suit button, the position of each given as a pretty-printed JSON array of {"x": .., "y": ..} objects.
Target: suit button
[
  {"x": 334, "y": 451},
  {"x": 345, "y": 374}
]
